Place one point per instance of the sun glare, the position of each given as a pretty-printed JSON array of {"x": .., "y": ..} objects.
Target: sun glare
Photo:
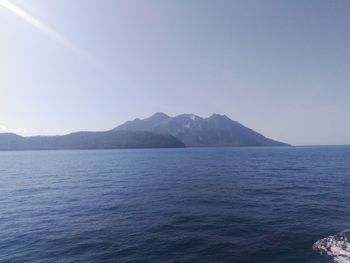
[{"x": 45, "y": 29}]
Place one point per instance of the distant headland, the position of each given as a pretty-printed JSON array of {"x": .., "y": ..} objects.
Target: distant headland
[{"x": 157, "y": 131}]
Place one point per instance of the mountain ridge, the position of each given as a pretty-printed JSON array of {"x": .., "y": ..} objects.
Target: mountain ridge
[
  {"x": 157, "y": 131},
  {"x": 90, "y": 140},
  {"x": 194, "y": 131}
]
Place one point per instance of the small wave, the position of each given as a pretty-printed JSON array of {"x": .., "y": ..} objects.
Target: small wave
[{"x": 336, "y": 247}]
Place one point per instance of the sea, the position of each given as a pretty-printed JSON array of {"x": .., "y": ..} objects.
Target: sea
[{"x": 248, "y": 204}]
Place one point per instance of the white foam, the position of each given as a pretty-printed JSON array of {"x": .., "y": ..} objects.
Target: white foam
[{"x": 336, "y": 247}]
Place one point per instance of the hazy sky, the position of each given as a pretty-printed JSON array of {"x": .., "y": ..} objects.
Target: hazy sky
[{"x": 279, "y": 67}]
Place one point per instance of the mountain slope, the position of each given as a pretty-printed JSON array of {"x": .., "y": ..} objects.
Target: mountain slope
[
  {"x": 90, "y": 140},
  {"x": 194, "y": 131}
]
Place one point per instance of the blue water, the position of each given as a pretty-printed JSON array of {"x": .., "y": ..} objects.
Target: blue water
[{"x": 172, "y": 205}]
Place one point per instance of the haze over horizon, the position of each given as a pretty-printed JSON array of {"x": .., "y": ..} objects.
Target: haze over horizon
[{"x": 278, "y": 67}]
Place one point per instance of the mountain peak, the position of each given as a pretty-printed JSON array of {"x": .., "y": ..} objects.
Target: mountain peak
[
  {"x": 160, "y": 115},
  {"x": 219, "y": 116}
]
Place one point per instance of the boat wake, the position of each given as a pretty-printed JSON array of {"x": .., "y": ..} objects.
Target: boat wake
[{"x": 336, "y": 247}]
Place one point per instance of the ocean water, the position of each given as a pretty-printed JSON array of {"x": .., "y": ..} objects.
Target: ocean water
[{"x": 172, "y": 205}]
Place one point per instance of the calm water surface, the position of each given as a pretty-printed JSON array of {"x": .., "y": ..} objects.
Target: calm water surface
[{"x": 172, "y": 205}]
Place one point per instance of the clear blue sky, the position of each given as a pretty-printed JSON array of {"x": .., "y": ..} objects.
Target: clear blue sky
[{"x": 280, "y": 67}]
